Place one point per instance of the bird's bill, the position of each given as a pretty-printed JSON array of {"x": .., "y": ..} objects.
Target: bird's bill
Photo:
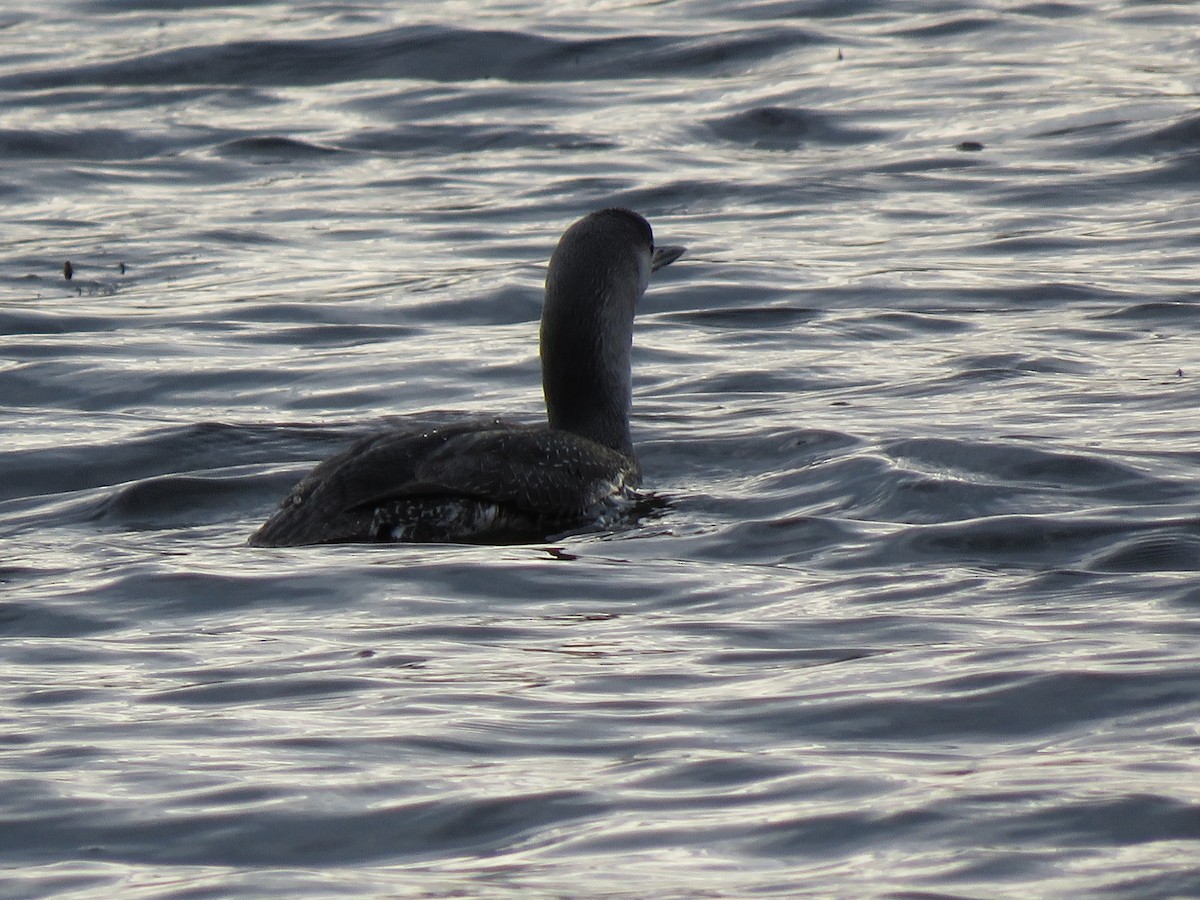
[{"x": 664, "y": 256}]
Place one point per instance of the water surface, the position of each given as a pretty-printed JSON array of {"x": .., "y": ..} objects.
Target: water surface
[{"x": 921, "y": 618}]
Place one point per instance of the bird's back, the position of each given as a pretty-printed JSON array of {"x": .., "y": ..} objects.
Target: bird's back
[{"x": 471, "y": 481}]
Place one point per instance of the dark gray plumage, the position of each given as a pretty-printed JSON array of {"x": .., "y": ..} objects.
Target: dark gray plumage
[{"x": 491, "y": 481}]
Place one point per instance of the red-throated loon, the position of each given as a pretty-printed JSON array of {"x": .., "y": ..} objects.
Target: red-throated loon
[{"x": 490, "y": 481}]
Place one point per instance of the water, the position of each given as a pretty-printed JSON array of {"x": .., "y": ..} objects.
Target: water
[{"x": 921, "y": 619}]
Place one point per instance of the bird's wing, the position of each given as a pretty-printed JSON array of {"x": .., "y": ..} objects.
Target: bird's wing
[{"x": 533, "y": 469}]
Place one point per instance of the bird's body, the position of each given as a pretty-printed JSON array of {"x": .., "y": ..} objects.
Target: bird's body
[{"x": 489, "y": 480}]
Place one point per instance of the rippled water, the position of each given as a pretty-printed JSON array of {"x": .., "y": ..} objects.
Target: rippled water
[{"x": 921, "y": 619}]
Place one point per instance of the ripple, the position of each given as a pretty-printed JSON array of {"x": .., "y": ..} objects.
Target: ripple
[
  {"x": 1154, "y": 553},
  {"x": 421, "y": 52},
  {"x": 272, "y": 148},
  {"x": 783, "y": 128}
]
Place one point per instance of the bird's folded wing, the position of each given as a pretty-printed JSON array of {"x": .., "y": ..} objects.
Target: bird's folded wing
[{"x": 534, "y": 469}]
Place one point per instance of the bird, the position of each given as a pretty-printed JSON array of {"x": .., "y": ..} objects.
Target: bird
[{"x": 489, "y": 481}]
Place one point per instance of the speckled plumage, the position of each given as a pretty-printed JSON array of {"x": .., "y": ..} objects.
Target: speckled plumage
[
  {"x": 492, "y": 481},
  {"x": 464, "y": 482}
]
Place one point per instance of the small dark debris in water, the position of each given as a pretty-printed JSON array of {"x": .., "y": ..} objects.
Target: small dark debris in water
[
  {"x": 840, "y": 57},
  {"x": 365, "y": 654},
  {"x": 1179, "y": 373},
  {"x": 970, "y": 146},
  {"x": 68, "y": 270},
  {"x": 840, "y": 403},
  {"x": 121, "y": 267}
]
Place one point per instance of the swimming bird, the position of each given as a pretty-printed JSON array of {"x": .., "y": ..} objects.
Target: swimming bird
[{"x": 496, "y": 482}]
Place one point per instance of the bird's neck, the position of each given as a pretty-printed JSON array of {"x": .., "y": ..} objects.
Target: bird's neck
[{"x": 586, "y": 374}]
